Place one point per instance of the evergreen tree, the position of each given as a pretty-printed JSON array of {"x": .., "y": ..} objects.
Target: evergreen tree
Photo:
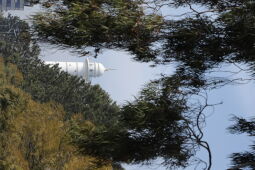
[
  {"x": 243, "y": 160},
  {"x": 33, "y": 135},
  {"x": 15, "y": 39},
  {"x": 113, "y": 24},
  {"x": 197, "y": 41},
  {"x": 46, "y": 83},
  {"x": 159, "y": 123}
]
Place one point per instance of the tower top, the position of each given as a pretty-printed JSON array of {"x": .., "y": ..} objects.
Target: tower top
[{"x": 94, "y": 69}]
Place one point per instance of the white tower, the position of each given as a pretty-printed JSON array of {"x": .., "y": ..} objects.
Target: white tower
[{"x": 86, "y": 69}]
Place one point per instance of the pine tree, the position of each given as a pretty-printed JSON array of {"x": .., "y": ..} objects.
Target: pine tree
[
  {"x": 46, "y": 83},
  {"x": 33, "y": 135},
  {"x": 243, "y": 160},
  {"x": 114, "y": 24}
]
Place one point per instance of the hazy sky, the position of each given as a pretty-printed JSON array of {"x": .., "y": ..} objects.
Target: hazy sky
[{"x": 125, "y": 82}]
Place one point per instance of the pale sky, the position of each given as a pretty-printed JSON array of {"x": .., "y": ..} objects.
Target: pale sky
[{"x": 125, "y": 82}]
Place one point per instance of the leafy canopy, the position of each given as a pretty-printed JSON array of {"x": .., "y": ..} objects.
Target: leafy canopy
[
  {"x": 197, "y": 42},
  {"x": 46, "y": 83},
  {"x": 118, "y": 24},
  {"x": 243, "y": 160},
  {"x": 156, "y": 124},
  {"x": 33, "y": 135}
]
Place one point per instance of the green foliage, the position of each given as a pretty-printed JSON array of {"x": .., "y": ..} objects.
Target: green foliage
[
  {"x": 46, "y": 83},
  {"x": 33, "y": 136},
  {"x": 212, "y": 4},
  {"x": 192, "y": 44},
  {"x": 76, "y": 96},
  {"x": 201, "y": 43},
  {"x": 243, "y": 160},
  {"x": 15, "y": 39},
  {"x": 197, "y": 43},
  {"x": 100, "y": 24},
  {"x": 156, "y": 118},
  {"x": 152, "y": 126}
]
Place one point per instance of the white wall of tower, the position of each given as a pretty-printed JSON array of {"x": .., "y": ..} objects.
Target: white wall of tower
[
  {"x": 73, "y": 68},
  {"x": 86, "y": 69}
]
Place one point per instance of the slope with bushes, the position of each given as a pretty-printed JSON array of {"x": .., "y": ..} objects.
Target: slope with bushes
[{"x": 33, "y": 135}]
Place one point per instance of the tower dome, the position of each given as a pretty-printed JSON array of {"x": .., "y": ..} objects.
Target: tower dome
[{"x": 95, "y": 69}]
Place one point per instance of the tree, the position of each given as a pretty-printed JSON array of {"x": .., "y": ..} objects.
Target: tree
[
  {"x": 198, "y": 41},
  {"x": 190, "y": 40},
  {"x": 160, "y": 123},
  {"x": 15, "y": 39},
  {"x": 116, "y": 24},
  {"x": 33, "y": 135},
  {"x": 46, "y": 83},
  {"x": 244, "y": 160}
]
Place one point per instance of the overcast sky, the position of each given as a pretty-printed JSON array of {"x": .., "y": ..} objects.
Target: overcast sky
[{"x": 129, "y": 77}]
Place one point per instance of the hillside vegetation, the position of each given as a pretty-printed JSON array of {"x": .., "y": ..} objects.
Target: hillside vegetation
[
  {"x": 152, "y": 126},
  {"x": 34, "y": 135},
  {"x": 164, "y": 122}
]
